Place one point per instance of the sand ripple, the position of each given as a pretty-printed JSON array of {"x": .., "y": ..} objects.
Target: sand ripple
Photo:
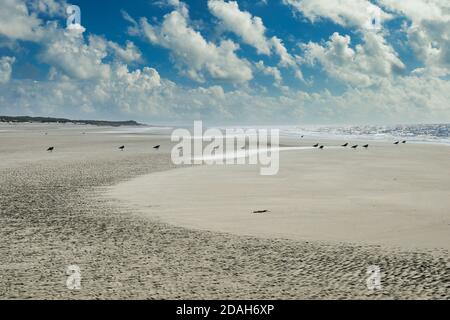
[{"x": 51, "y": 217}]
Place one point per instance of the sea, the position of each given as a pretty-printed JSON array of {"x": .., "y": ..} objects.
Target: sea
[{"x": 413, "y": 133}]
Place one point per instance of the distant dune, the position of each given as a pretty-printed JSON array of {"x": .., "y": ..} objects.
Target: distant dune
[{"x": 22, "y": 119}]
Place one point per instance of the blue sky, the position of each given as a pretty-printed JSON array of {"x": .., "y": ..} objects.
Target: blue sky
[{"x": 258, "y": 62}]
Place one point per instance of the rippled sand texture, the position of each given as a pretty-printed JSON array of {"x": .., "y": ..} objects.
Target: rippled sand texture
[{"x": 52, "y": 216}]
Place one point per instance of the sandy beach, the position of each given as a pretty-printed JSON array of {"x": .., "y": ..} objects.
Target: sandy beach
[
  {"x": 139, "y": 228},
  {"x": 388, "y": 195}
]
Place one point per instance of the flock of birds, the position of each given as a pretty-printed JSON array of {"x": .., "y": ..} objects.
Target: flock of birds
[
  {"x": 121, "y": 148},
  {"x": 317, "y": 145},
  {"x": 345, "y": 145}
]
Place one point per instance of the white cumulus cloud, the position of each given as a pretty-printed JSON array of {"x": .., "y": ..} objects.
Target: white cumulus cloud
[
  {"x": 16, "y": 21},
  {"x": 196, "y": 56},
  {"x": 348, "y": 13},
  {"x": 428, "y": 32},
  {"x": 251, "y": 29},
  {"x": 367, "y": 64},
  {"x": 6, "y": 68}
]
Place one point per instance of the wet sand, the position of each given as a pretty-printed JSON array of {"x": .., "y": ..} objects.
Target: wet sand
[{"x": 55, "y": 211}]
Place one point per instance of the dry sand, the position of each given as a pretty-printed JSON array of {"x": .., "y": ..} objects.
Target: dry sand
[{"x": 56, "y": 210}]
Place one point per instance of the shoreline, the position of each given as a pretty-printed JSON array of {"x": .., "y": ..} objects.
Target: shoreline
[{"x": 146, "y": 130}]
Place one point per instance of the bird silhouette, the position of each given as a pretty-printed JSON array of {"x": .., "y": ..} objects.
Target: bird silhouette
[
  {"x": 321, "y": 147},
  {"x": 261, "y": 211},
  {"x": 365, "y": 146},
  {"x": 122, "y": 148},
  {"x": 302, "y": 137},
  {"x": 345, "y": 145},
  {"x": 51, "y": 149},
  {"x": 396, "y": 142},
  {"x": 355, "y": 146},
  {"x": 157, "y": 147},
  {"x": 316, "y": 145},
  {"x": 403, "y": 141}
]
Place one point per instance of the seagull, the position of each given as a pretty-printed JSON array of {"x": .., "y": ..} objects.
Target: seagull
[
  {"x": 157, "y": 147},
  {"x": 366, "y": 146},
  {"x": 404, "y": 141},
  {"x": 51, "y": 149},
  {"x": 397, "y": 142},
  {"x": 316, "y": 145},
  {"x": 302, "y": 137},
  {"x": 355, "y": 146},
  {"x": 345, "y": 145},
  {"x": 321, "y": 147},
  {"x": 122, "y": 148}
]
